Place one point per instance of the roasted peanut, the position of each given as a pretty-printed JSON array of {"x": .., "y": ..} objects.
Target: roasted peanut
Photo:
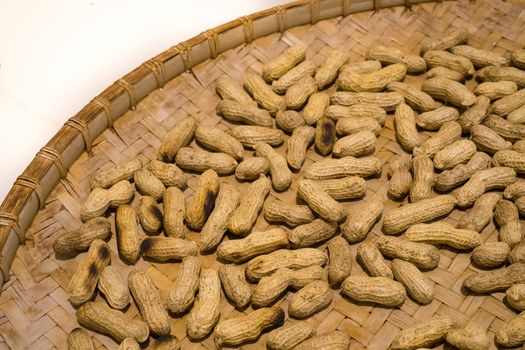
[
  {"x": 251, "y": 168},
  {"x": 148, "y": 300},
  {"x": 449, "y": 179},
  {"x": 348, "y": 126},
  {"x": 475, "y": 114},
  {"x": 182, "y": 294},
  {"x": 206, "y": 311},
  {"x": 442, "y": 72},
  {"x": 349, "y": 187},
  {"x": 448, "y": 133},
  {"x": 389, "y": 55},
  {"x": 516, "y": 296},
  {"x": 199, "y": 160},
  {"x": 518, "y": 58},
  {"x": 257, "y": 243},
  {"x": 312, "y": 233},
  {"x": 506, "y": 129},
  {"x": 454, "y": 154},
  {"x": 423, "y": 170},
  {"x": 487, "y": 140},
  {"x": 79, "y": 339},
  {"x": 297, "y": 146},
  {"x": 174, "y": 212},
  {"x": 149, "y": 214},
  {"x": 279, "y": 172},
  {"x": 496, "y": 90},
  {"x": 320, "y": 201},
  {"x": 511, "y": 159},
  {"x": 386, "y": 100},
  {"x": 315, "y": 107},
  {"x": 347, "y": 166},
  {"x": 127, "y": 234},
  {"x": 415, "y": 98},
  {"x": 167, "y": 248},
  {"x": 178, "y": 137},
  {"x": 472, "y": 336},
  {"x": 515, "y": 190},
  {"x": 449, "y": 91},
  {"x": 276, "y": 211},
  {"x": 493, "y": 73},
  {"x": 423, "y": 334},
  {"x": 219, "y": 141},
  {"x": 244, "y": 113},
  {"x": 114, "y": 288},
  {"x": 327, "y": 72},
  {"x": 293, "y": 76},
  {"x": 507, "y": 104},
  {"x": 405, "y": 126},
  {"x": 453, "y": 37},
  {"x": 166, "y": 342},
  {"x": 491, "y": 254},
  {"x": 335, "y": 340},
  {"x": 337, "y": 112},
  {"x": 311, "y": 298},
  {"x": 519, "y": 146},
  {"x": 99, "y": 200},
  {"x": 359, "y": 144},
  {"x": 517, "y": 254},
  {"x": 484, "y": 180},
  {"x": 297, "y": 95},
  {"x": 360, "y": 67},
  {"x": 512, "y": 333},
  {"x": 200, "y": 205},
  {"x": 424, "y": 256},
  {"x": 244, "y": 216},
  {"x": 235, "y": 331},
  {"x": 251, "y": 135},
  {"x": 70, "y": 243},
  {"x": 372, "y": 261},
  {"x": 517, "y": 116},
  {"x": 435, "y": 119},
  {"x": 340, "y": 260},
  {"x": 481, "y": 213},
  {"x": 290, "y": 336},
  {"x": 419, "y": 287},
  {"x": 507, "y": 217},
  {"x": 496, "y": 280},
  {"x": 437, "y": 58},
  {"x": 235, "y": 285},
  {"x": 168, "y": 174},
  {"x": 148, "y": 185},
  {"x": 359, "y": 223},
  {"x": 263, "y": 94},
  {"x": 374, "y": 81},
  {"x": 442, "y": 232},
  {"x": 325, "y": 137},
  {"x": 278, "y": 66},
  {"x": 289, "y": 120},
  {"x": 228, "y": 89},
  {"x": 106, "y": 178},
  {"x": 480, "y": 58},
  {"x": 400, "y": 177},
  {"x": 379, "y": 290}
]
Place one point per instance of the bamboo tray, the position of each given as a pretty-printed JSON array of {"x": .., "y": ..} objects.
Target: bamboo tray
[{"x": 131, "y": 117}]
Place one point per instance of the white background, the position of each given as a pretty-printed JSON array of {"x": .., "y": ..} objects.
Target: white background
[{"x": 56, "y": 55}]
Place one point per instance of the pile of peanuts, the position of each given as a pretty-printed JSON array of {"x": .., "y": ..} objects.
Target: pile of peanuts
[{"x": 339, "y": 108}]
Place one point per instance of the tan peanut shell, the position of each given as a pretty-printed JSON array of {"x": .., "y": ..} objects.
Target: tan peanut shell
[
  {"x": 448, "y": 133},
  {"x": 495, "y": 280},
  {"x": 325, "y": 136},
  {"x": 114, "y": 288},
  {"x": 493, "y": 73},
  {"x": 291, "y": 77},
  {"x": 484, "y": 180},
  {"x": 263, "y": 94},
  {"x": 149, "y": 214},
  {"x": 178, "y": 137},
  {"x": 219, "y": 141},
  {"x": 290, "y": 336},
  {"x": 127, "y": 233},
  {"x": 277, "y": 211},
  {"x": 319, "y": 201},
  {"x": 374, "y": 81},
  {"x": 487, "y": 140},
  {"x": 479, "y": 57},
  {"x": 100, "y": 200},
  {"x": 504, "y": 128},
  {"x": 200, "y": 204},
  {"x": 335, "y": 340},
  {"x": 461, "y": 64},
  {"x": 360, "y": 222},
  {"x": 257, "y": 243},
  {"x": 297, "y": 146},
  {"x": 99, "y": 317},
  {"x": 315, "y": 107},
  {"x": 342, "y": 167},
  {"x": 168, "y": 174},
  {"x": 453, "y": 37},
  {"x": 70, "y": 243},
  {"x": 491, "y": 254},
  {"x": 235, "y": 286},
  {"x": 423, "y": 334},
  {"x": 278, "y": 66},
  {"x": 517, "y": 116},
  {"x": 228, "y": 89},
  {"x": 340, "y": 258},
  {"x": 415, "y": 98},
  {"x": 348, "y": 126},
  {"x": 418, "y": 286},
  {"x": 454, "y": 154},
  {"x": 399, "y": 219},
  {"x": 472, "y": 336},
  {"x": 206, "y": 311},
  {"x": 337, "y": 112},
  {"x": 349, "y": 187},
  {"x": 182, "y": 294},
  {"x": 148, "y": 185},
  {"x": 167, "y": 342},
  {"x": 265, "y": 265},
  {"x": 386, "y": 100},
  {"x": 174, "y": 212},
  {"x": 251, "y": 135},
  {"x": 449, "y": 91},
  {"x": 435, "y": 119},
  {"x": 389, "y": 55},
  {"x": 250, "y": 168},
  {"x": 213, "y": 230},
  {"x": 517, "y": 254},
  {"x": 515, "y": 190},
  {"x": 297, "y": 95},
  {"x": 235, "y": 331},
  {"x": 424, "y": 256},
  {"x": 519, "y": 146},
  {"x": 359, "y": 144},
  {"x": 379, "y": 290},
  {"x": 507, "y": 217},
  {"x": 167, "y": 248},
  {"x": 443, "y": 233},
  {"x": 106, "y": 178},
  {"x": 443, "y": 72},
  {"x": 400, "y": 177},
  {"x": 279, "y": 172},
  {"x": 481, "y": 213},
  {"x": 423, "y": 171},
  {"x": 507, "y": 104},
  {"x": 516, "y": 296},
  {"x": 327, "y": 72},
  {"x": 512, "y": 333},
  {"x": 511, "y": 159},
  {"x": 312, "y": 233},
  {"x": 517, "y": 58},
  {"x": 405, "y": 126},
  {"x": 289, "y": 120},
  {"x": 199, "y": 160},
  {"x": 245, "y": 113},
  {"x": 449, "y": 179},
  {"x": 475, "y": 114},
  {"x": 244, "y": 216},
  {"x": 496, "y": 90},
  {"x": 310, "y": 299},
  {"x": 79, "y": 339},
  {"x": 368, "y": 66},
  {"x": 149, "y": 302},
  {"x": 372, "y": 261}
]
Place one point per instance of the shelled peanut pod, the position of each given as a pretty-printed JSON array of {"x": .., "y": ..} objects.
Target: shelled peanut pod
[
  {"x": 507, "y": 104},
  {"x": 424, "y": 256},
  {"x": 186, "y": 284},
  {"x": 516, "y": 296},
  {"x": 443, "y": 72},
  {"x": 243, "y": 113},
  {"x": 389, "y": 55},
  {"x": 405, "y": 126},
  {"x": 484, "y": 180},
  {"x": 310, "y": 299},
  {"x": 178, "y": 137},
  {"x": 79, "y": 339},
  {"x": 337, "y": 112},
  {"x": 506, "y": 129},
  {"x": 320, "y": 201},
  {"x": 367, "y": 66},
  {"x": 297, "y": 95},
  {"x": 415, "y": 98},
  {"x": 325, "y": 136},
  {"x": 257, "y": 243},
  {"x": 200, "y": 204},
  {"x": 448, "y": 133},
  {"x": 278, "y": 66},
  {"x": 315, "y": 107},
  {"x": 277, "y": 211},
  {"x": 479, "y": 57},
  {"x": 435, "y": 119},
  {"x": 449, "y": 91},
  {"x": 169, "y": 174},
  {"x": 251, "y": 135},
  {"x": 449, "y": 179},
  {"x": 511, "y": 159},
  {"x": 70, "y": 243},
  {"x": 517, "y": 116},
  {"x": 491, "y": 254},
  {"x": 342, "y": 167},
  {"x": 496, "y": 90},
  {"x": 386, "y": 100},
  {"x": 312, "y": 233},
  {"x": 359, "y": 144},
  {"x": 291, "y": 335},
  {"x": 512, "y": 333},
  {"x": 454, "y": 154},
  {"x": 423, "y": 334},
  {"x": 289, "y": 120},
  {"x": 228, "y": 89},
  {"x": 217, "y": 140},
  {"x": 114, "y": 288},
  {"x": 493, "y": 73},
  {"x": 100, "y": 200},
  {"x": 506, "y": 215},
  {"x": 443, "y": 233},
  {"x": 279, "y": 172},
  {"x": 496, "y": 280},
  {"x": 335, "y": 340},
  {"x": 481, "y": 213},
  {"x": 487, "y": 140},
  {"x": 297, "y": 146},
  {"x": 471, "y": 336},
  {"x": 327, "y": 72},
  {"x": 374, "y": 81},
  {"x": 149, "y": 214},
  {"x": 263, "y": 93},
  {"x": 340, "y": 260},
  {"x": 359, "y": 223},
  {"x": 106, "y": 178},
  {"x": 400, "y": 176},
  {"x": 148, "y": 185},
  {"x": 128, "y": 242},
  {"x": 517, "y": 58},
  {"x": 348, "y": 126},
  {"x": 174, "y": 212},
  {"x": 372, "y": 261},
  {"x": 167, "y": 248},
  {"x": 380, "y": 290},
  {"x": 349, "y": 187},
  {"x": 206, "y": 312},
  {"x": 423, "y": 170},
  {"x": 198, "y": 160},
  {"x": 291, "y": 77},
  {"x": 235, "y": 286},
  {"x": 452, "y": 37},
  {"x": 250, "y": 168},
  {"x": 475, "y": 114},
  {"x": 418, "y": 286},
  {"x": 439, "y": 58}
]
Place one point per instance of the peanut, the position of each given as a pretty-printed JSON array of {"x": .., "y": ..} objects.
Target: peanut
[
  {"x": 79, "y": 339},
  {"x": 484, "y": 180},
  {"x": 423, "y": 334},
  {"x": 493, "y": 73},
  {"x": 518, "y": 58},
  {"x": 279, "y": 172},
  {"x": 335, "y": 340},
  {"x": 386, "y": 100},
  {"x": 228, "y": 89},
  {"x": 178, "y": 137},
  {"x": 504, "y": 128},
  {"x": 442, "y": 232},
  {"x": 400, "y": 177},
  {"x": 225, "y": 205},
  {"x": 267, "y": 264},
  {"x": 148, "y": 185},
  {"x": 472, "y": 336},
  {"x": 148, "y": 300},
  {"x": 327, "y": 72},
  {"x": 379, "y": 290},
  {"x": 206, "y": 311},
  {"x": 359, "y": 223},
  {"x": 337, "y": 112},
  {"x": 243, "y": 218},
  {"x": 348, "y": 126},
  {"x": 449, "y": 91},
  {"x": 200, "y": 205},
  {"x": 168, "y": 174},
  {"x": 424, "y": 256},
  {"x": 496, "y": 90},
  {"x": 511, "y": 159},
  {"x": 182, "y": 294},
  {"x": 127, "y": 234},
  {"x": 278, "y": 66},
  {"x": 453, "y": 37},
  {"x": 372, "y": 82},
  {"x": 297, "y": 146},
  {"x": 475, "y": 114},
  {"x": 454, "y": 154},
  {"x": 297, "y": 95},
  {"x": 289, "y": 120},
  {"x": 69, "y": 244},
  {"x": 507, "y": 217},
  {"x": 389, "y": 55},
  {"x": 251, "y": 168},
  {"x": 517, "y": 116},
  {"x": 325, "y": 137},
  {"x": 167, "y": 342},
  {"x": 491, "y": 254},
  {"x": 174, "y": 212},
  {"x": 399, "y": 219},
  {"x": 507, "y": 104},
  {"x": 276, "y": 211},
  {"x": 481, "y": 213},
  {"x": 372, "y": 261},
  {"x": 359, "y": 144},
  {"x": 349, "y": 187},
  {"x": 149, "y": 214},
  {"x": 496, "y": 280},
  {"x": 419, "y": 287},
  {"x": 310, "y": 299},
  {"x": 114, "y": 288},
  {"x": 319, "y": 201},
  {"x": 106, "y": 178},
  {"x": 405, "y": 126},
  {"x": 312, "y": 233},
  {"x": 453, "y": 178},
  {"x": 435, "y": 119},
  {"x": 263, "y": 94},
  {"x": 99, "y": 317},
  {"x": 235, "y": 285},
  {"x": 219, "y": 141},
  {"x": 480, "y": 58},
  {"x": 423, "y": 170},
  {"x": 235, "y": 331},
  {"x": 517, "y": 254},
  {"x": 306, "y": 68},
  {"x": 340, "y": 260},
  {"x": 461, "y": 64},
  {"x": 487, "y": 140},
  {"x": 244, "y": 113},
  {"x": 342, "y": 167},
  {"x": 415, "y": 98},
  {"x": 515, "y": 190},
  {"x": 448, "y": 133},
  {"x": 516, "y": 296},
  {"x": 250, "y": 135},
  {"x": 99, "y": 200},
  {"x": 167, "y": 248},
  {"x": 257, "y": 243},
  {"x": 290, "y": 336},
  {"x": 315, "y": 107},
  {"x": 519, "y": 146},
  {"x": 442, "y": 72},
  {"x": 512, "y": 333},
  {"x": 199, "y": 160},
  {"x": 360, "y": 67}
]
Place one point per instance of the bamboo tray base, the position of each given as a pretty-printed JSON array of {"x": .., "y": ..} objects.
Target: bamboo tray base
[{"x": 34, "y": 309}]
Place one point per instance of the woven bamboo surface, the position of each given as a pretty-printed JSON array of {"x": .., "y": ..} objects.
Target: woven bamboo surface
[{"x": 34, "y": 310}]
